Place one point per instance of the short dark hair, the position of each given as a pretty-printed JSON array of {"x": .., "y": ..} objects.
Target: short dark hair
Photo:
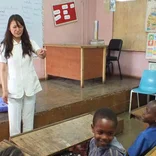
[
  {"x": 105, "y": 113},
  {"x": 11, "y": 151}
]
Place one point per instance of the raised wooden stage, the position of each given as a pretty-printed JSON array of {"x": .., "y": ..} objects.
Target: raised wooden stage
[{"x": 63, "y": 98}]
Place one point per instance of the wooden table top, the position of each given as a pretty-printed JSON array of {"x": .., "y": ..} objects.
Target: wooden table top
[
  {"x": 152, "y": 152},
  {"x": 75, "y": 45},
  {"x": 55, "y": 138}
]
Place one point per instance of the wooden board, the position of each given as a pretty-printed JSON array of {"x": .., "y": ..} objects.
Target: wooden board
[
  {"x": 93, "y": 63},
  {"x": 138, "y": 112},
  {"x": 129, "y": 24},
  {"x": 63, "y": 62},
  {"x": 152, "y": 152},
  {"x": 55, "y": 138}
]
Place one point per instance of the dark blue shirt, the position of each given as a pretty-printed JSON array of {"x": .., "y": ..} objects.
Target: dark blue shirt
[{"x": 144, "y": 142}]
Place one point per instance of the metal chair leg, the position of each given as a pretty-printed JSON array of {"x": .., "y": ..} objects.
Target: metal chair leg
[
  {"x": 130, "y": 101},
  {"x": 109, "y": 69},
  {"x": 112, "y": 68},
  {"x": 119, "y": 70},
  {"x": 138, "y": 100}
]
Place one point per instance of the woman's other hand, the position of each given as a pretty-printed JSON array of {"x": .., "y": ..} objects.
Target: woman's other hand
[{"x": 41, "y": 53}]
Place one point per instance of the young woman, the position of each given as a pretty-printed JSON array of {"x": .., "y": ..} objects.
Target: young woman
[{"x": 18, "y": 77}]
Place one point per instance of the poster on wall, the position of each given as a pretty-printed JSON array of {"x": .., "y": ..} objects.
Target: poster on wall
[
  {"x": 151, "y": 46},
  {"x": 64, "y": 13},
  {"x": 112, "y": 5},
  {"x": 150, "y": 22}
]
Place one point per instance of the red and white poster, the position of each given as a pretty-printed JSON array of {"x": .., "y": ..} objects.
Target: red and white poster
[{"x": 64, "y": 13}]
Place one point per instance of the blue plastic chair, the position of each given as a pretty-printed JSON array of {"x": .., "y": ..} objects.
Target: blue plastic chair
[{"x": 147, "y": 86}]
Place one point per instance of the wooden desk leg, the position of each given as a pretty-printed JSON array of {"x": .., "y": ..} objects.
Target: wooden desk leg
[
  {"x": 82, "y": 68},
  {"x": 45, "y": 70},
  {"x": 104, "y": 65}
]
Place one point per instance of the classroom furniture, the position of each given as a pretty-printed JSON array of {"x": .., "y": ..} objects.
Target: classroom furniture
[
  {"x": 151, "y": 152},
  {"x": 5, "y": 144},
  {"x": 57, "y": 137},
  {"x": 115, "y": 45},
  {"x": 77, "y": 62},
  {"x": 147, "y": 86},
  {"x": 137, "y": 114},
  {"x": 129, "y": 25}
]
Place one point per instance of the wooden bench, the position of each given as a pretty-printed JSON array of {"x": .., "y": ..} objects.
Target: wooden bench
[
  {"x": 152, "y": 152},
  {"x": 54, "y": 138},
  {"x": 5, "y": 144},
  {"x": 138, "y": 112}
]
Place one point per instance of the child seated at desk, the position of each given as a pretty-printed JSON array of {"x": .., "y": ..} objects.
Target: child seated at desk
[
  {"x": 147, "y": 139},
  {"x": 104, "y": 142}
]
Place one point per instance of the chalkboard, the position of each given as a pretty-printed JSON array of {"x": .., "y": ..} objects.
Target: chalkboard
[
  {"x": 30, "y": 10},
  {"x": 129, "y": 24}
]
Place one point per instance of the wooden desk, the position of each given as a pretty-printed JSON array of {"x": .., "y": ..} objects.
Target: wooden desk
[
  {"x": 54, "y": 138},
  {"x": 77, "y": 62},
  {"x": 152, "y": 152},
  {"x": 137, "y": 113}
]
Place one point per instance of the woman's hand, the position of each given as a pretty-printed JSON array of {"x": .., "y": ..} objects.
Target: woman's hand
[
  {"x": 41, "y": 53},
  {"x": 5, "y": 97}
]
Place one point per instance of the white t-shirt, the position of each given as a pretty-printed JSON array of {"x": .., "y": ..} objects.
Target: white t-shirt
[{"x": 22, "y": 78}]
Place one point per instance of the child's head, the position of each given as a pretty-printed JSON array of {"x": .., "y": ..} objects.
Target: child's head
[
  {"x": 11, "y": 151},
  {"x": 104, "y": 126},
  {"x": 149, "y": 116}
]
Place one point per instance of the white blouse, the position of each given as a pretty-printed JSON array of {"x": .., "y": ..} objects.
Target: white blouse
[{"x": 22, "y": 78}]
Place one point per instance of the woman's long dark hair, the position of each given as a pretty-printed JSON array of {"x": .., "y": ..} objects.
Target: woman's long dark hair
[{"x": 8, "y": 39}]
